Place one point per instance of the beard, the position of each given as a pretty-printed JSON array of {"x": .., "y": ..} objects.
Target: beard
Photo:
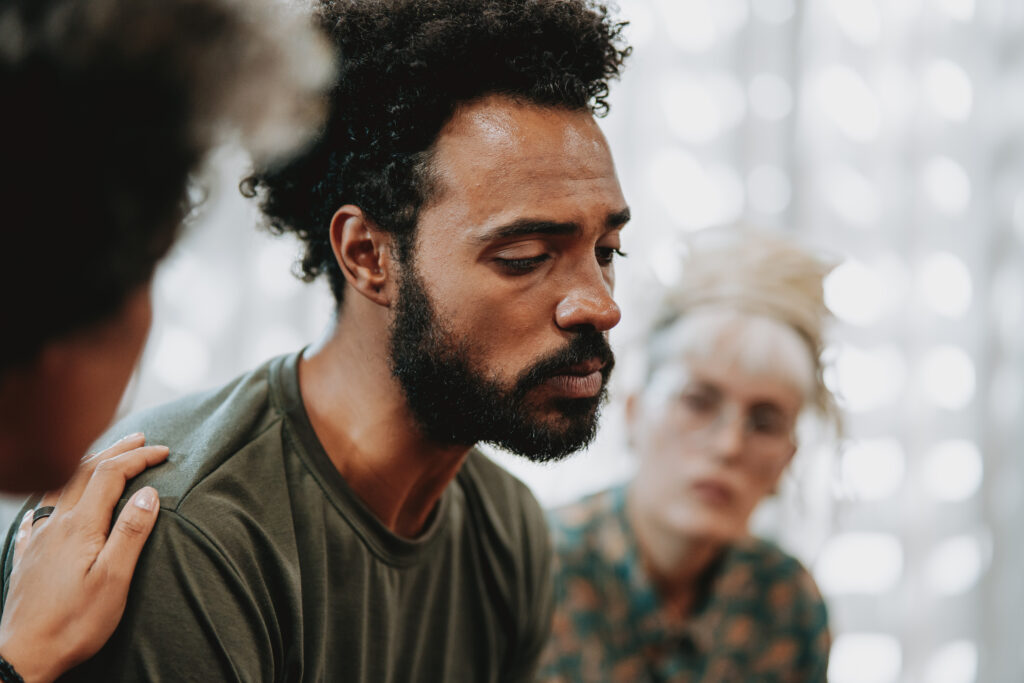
[{"x": 454, "y": 402}]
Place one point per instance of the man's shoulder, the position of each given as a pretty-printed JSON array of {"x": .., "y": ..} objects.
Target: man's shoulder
[{"x": 202, "y": 430}]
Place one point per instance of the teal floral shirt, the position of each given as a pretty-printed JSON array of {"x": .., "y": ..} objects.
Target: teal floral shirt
[{"x": 759, "y": 617}]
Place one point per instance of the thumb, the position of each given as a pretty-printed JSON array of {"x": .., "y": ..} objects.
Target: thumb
[
  {"x": 21, "y": 539},
  {"x": 123, "y": 546}
]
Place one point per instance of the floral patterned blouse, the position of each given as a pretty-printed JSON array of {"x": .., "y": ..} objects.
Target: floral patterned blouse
[{"x": 759, "y": 618}]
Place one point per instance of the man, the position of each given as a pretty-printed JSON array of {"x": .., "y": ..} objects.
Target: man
[{"x": 325, "y": 517}]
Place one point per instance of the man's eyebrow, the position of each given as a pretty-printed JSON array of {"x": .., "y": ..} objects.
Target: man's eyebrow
[
  {"x": 532, "y": 226},
  {"x": 618, "y": 219},
  {"x": 529, "y": 226}
]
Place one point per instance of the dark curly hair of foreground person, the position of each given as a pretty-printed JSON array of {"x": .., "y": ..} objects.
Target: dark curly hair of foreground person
[
  {"x": 405, "y": 65},
  {"x": 109, "y": 106}
]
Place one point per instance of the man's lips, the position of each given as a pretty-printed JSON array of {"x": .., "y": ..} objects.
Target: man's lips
[{"x": 583, "y": 380}]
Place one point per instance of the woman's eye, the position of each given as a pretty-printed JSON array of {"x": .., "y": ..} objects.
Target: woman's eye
[
  {"x": 605, "y": 255},
  {"x": 766, "y": 423},
  {"x": 521, "y": 266},
  {"x": 697, "y": 402}
]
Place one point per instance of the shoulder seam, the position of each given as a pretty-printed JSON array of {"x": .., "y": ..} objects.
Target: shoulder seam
[{"x": 192, "y": 486}]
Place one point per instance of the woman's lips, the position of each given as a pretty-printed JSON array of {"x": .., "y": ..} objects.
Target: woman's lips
[
  {"x": 713, "y": 493},
  {"x": 583, "y": 380}
]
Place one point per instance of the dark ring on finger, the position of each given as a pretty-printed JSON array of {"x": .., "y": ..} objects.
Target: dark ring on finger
[{"x": 41, "y": 513}]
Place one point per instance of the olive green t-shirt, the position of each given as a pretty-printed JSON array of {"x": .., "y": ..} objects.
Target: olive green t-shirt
[{"x": 265, "y": 566}]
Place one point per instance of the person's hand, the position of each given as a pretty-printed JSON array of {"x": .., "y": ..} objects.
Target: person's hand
[{"x": 72, "y": 570}]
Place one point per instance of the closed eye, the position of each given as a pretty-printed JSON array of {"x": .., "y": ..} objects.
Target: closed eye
[
  {"x": 521, "y": 266},
  {"x": 606, "y": 255}
]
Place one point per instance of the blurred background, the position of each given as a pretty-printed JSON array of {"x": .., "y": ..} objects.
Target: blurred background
[{"x": 889, "y": 135}]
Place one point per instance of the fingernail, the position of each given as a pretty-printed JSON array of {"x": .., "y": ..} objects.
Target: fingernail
[
  {"x": 145, "y": 499},
  {"x": 134, "y": 435}
]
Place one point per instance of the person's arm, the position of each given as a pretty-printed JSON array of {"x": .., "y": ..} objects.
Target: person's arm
[{"x": 70, "y": 571}]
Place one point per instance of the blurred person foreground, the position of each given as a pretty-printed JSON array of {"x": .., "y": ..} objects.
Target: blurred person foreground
[{"x": 110, "y": 108}]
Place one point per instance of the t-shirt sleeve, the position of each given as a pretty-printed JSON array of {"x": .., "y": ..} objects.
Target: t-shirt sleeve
[{"x": 190, "y": 616}]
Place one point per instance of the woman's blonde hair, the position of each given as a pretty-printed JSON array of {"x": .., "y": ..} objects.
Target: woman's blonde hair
[{"x": 730, "y": 279}]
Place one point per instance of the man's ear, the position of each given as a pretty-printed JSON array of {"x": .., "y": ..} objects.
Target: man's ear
[{"x": 363, "y": 252}]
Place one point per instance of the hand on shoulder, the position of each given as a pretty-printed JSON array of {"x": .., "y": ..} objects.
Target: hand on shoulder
[{"x": 71, "y": 570}]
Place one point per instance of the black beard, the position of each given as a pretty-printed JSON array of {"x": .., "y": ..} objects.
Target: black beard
[{"x": 454, "y": 403}]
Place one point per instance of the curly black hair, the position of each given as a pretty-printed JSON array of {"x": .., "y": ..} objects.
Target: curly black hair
[
  {"x": 404, "y": 68},
  {"x": 109, "y": 106}
]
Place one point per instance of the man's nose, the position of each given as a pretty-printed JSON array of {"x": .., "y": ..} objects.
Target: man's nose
[{"x": 589, "y": 304}]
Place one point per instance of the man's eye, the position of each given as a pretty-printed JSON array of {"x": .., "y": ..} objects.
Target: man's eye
[
  {"x": 605, "y": 255},
  {"x": 521, "y": 266}
]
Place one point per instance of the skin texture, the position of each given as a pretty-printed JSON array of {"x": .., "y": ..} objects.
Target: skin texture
[
  {"x": 710, "y": 450},
  {"x": 53, "y": 408},
  {"x": 518, "y": 297}
]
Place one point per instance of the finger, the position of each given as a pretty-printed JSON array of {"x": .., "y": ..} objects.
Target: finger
[
  {"x": 21, "y": 538},
  {"x": 72, "y": 491},
  {"x": 107, "y": 483},
  {"x": 116, "y": 562}
]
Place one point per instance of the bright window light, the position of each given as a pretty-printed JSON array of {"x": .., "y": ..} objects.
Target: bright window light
[
  {"x": 865, "y": 658},
  {"x": 947, "y": 185},
  {"x": 860, "y": 20},
  {"x": 873, "y": 469},
  {"x": 272, "y": 342},
  {"x": 960, "y": 10},
  {"x": 850, "y": 195},
  {"x": 694, "y": 195},
  {"x": 869, "y": 379},
  {"x": 954, "y": 566},
  {"x": 690, "y": 25},
  {"x": 946, "y": 376},
  {"x": 768, "y": 189},
  {"x": 773, "y": 11},
  {"x": 944, "y": 283},
  {"x": 770, "y": 96},
  {"x": 955, "y": 662},
  {"x": 843, "y": 95},
  {"x": 855, "y": 293},
  {"x": 953, "y": 470},
  {"x": 949, "y": 89},
  {"x": 691, "y": 111},
  {"x": 859, "y": 562},
  {"x": 274, "y": 263},
  {"x": 181, "y": 359}
]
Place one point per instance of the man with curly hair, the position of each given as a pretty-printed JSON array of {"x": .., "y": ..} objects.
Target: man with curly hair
[{"x": 325, "y": 516}]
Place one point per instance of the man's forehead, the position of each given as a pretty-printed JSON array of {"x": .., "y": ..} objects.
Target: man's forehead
[{"x": 496, "y": 126}]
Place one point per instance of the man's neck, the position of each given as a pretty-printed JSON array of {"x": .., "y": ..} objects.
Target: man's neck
[{"x": 360, "y": 416}]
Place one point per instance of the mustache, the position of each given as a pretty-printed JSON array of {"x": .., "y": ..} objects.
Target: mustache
[{"x": 582, "y": 348}]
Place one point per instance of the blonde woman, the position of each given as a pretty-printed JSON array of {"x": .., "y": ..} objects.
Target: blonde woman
[{"x": 660, "y": 579}]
